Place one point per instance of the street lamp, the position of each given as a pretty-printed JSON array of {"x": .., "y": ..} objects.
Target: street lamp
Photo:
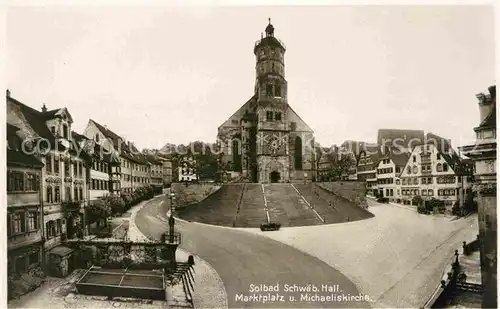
[{"x": 172, "y": 199}]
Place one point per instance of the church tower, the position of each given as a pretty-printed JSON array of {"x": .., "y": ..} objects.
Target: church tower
[
  {"x": 272, "y": 108},
  {"x": 265, "y": 140}
]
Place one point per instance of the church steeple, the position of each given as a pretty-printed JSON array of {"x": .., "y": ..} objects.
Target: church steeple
[{"x": 269, "y": 29}]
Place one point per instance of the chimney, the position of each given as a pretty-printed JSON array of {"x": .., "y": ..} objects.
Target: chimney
[
  {"x": 8, "y": 93},
  {"x": 44, "y": 108},
  {"x": 491, "y": 89}
]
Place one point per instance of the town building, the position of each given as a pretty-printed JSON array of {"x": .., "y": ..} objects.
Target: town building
[
  {"x": 100, "y": 168},
  {"x": 156, "y": 172},
  {"x": 134, "y": 169},
  {"x": 265, "y": 140},
  {"x": 390, "y": 166},
  {"x": 483, "y": 154},
  {"x": 167, "y": 172},
  {"x": 434, "y": 170},
  {"x": 24, "y": 208},
  {"x": 367, "y": 164},
  {"x": 187, "y": 169},
  {"x": 63, "y": 182}
]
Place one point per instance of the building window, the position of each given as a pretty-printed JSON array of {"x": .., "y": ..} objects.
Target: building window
[
  {"x": 56, "y": 165},
  {"x": 17, "y": 223},
  {"x": 48, "y": 163},
  {"x": 58, "y": 227},
  {"x": 269, "y": 90},
  {"x": 277, "y": 116},
  {"x": 81, "y": 193},
  {"x": 75, "y": 169},
  {"x": 50, "y": 229},
  {"x": 408, "y": 170},
  {"x": 424, "y": 192},
  {"x": 75, "y": 193},
  {"x": 57, "y": 194},
  {"x": 438, "y": 156},
  {"x": 32, "y": 221},
  {"x": 49, "y": 194},
  {"x": 398, "y": 169},
  {"x": 414, "y": 159},
  {"x": 445, "y": 167},
  {"x": 67, "y": 190},
  {"x": 65, "y": 131},
  {"x": 424, "y": 181},
  {"x": 439, "y": 167},
  {"x": 298, "y": 153},
  {"x": 97, "y": 138},
  {"x": 415, "y": 181},
  {"x": 277, "y": 91},
  {"x": 430, "y": 192},
  {"x": 269, "y": 116},
  {"x": 53, "y": 130},
  {"x": 415, "y": 169}
]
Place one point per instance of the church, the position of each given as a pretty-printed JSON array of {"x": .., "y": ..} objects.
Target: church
[{"x": 265, "y": 140}]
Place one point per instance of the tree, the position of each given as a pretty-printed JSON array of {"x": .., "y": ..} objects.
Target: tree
[
  {"x": 340, "y": 165},
  {"x": 115, "y": 204}
]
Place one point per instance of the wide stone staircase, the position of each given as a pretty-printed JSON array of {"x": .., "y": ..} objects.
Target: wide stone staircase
[
  {"x": 251, "y": 211},
  {"x": 332, "y": 208},
  {"x": 220, "y": 208},
  {"x": 287, "y": 207}
]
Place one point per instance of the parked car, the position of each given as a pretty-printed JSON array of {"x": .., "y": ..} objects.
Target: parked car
[{"x": 272, "y": 226}]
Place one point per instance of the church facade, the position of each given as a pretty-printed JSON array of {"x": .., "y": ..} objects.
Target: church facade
[{"x": 265, "y": 140}]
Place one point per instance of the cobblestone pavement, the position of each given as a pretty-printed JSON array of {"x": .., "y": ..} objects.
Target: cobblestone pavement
[{"x": 397, "y": 257}]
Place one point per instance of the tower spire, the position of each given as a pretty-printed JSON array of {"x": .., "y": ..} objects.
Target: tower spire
[{"x": 269, "y": 29}]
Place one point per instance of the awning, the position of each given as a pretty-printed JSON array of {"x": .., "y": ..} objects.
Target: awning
[{"x": 61, "y": 251}]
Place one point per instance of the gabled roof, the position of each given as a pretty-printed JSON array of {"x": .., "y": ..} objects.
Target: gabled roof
[
  {"x": 97, "y": 150},
  {"x": 128, "y": 151},
  {"x": 35, "y": 119},
  {"x": 15, "y": 154}
]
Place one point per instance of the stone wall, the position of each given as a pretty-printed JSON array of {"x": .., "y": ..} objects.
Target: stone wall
[
  {"x": 193, "y": 193},
  {"x": 353, "y": 191}
]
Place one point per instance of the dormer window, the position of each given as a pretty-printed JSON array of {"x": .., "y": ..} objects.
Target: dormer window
[{"x": 65, "y": 131}]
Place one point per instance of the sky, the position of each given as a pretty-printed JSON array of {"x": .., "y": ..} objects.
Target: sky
[{"x": 158, "y": 75}]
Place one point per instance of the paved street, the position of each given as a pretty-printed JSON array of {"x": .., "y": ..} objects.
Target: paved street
[
  {"x": 243, "y": 259},
  {"x": 397, "y": 257}
]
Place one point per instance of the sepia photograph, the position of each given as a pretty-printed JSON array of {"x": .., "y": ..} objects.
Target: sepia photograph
[{"x": 250, "y": 156}]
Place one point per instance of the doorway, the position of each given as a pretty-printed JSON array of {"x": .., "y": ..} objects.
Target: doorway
[{"x": 274, "y": 177}]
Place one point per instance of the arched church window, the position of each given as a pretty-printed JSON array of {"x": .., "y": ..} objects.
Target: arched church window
[
  {"x": 298, "y": 153},
  {"x": 236, "y": 156}
]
